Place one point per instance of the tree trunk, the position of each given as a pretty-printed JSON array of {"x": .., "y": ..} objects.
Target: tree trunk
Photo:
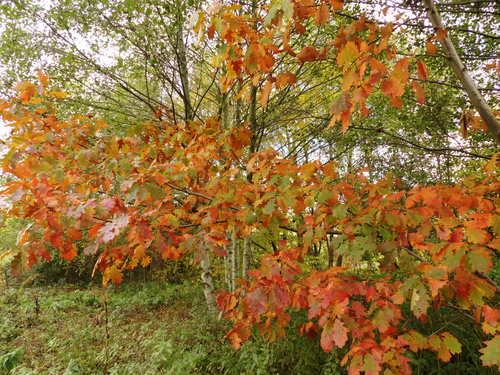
[
  {"x": 461, "y": 71},
  {"x": 229, "y": 267},
  {"x": 184, "y": 74},
  {"x": 331, "y": 252},
  {"x": 231, "y": 262},
  {"x": 247, "y": 256},
  {"x": 207, "y": 279},
  {"x": 236, "y": 258}
]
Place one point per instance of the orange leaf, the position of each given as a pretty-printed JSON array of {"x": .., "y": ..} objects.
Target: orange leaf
[
  {"x": 337, "y": 4},
  {"x": 285, "y": 78},
  {"x": 422, "y": 70},
  {"x": 112, "y": 273},
  {"x": 42, "y": 78},
  {"x": 28, "y": 90},
  {"x": 396, "y": 102},
  {"x": 264, "y": 96},
  {"x": 431, "y": 48},
  {"x": 322, "y": 15},
  {"x": 333, "y": 334},
  {"x": 308, "y": 53},
  {"x": 419, "y": 92},
  {"x": 347, "y": 54},
  {"x": 441, "y": 34}
]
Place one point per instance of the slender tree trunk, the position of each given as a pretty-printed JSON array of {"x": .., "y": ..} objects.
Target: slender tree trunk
[
  {"x": 463, "y": 75},
  {"x": 339, "y": 261},
  {"x": 224, "y": 111},
  {"x": 236, "y": 259},
  {"x": 207, "y": 279},
  {"x": 247, "y": 256},
  {"x": 331, "y": 252},
  {"x": 229, "y": 267},
  {"x": 184, "y": 74}
]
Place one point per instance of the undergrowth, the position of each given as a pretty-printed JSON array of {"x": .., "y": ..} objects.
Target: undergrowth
[{"x": 160, "y": 328}]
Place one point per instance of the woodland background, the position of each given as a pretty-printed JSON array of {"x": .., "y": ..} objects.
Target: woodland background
[{"x": 219, "y": 145}]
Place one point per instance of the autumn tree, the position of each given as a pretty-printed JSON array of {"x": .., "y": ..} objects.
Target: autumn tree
[{"x": 174, "y": 186}]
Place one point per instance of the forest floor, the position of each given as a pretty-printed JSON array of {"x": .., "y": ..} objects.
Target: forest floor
[
  {"x": 161, "y": 328},
  {"x": 132, "y": 329}
]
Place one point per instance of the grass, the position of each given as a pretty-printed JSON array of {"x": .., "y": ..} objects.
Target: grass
[
  {"x": 129, "y": 330},
  {"x": 161, "y": 328}
]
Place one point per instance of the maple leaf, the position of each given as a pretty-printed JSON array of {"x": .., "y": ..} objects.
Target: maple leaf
[
  {"x": 27, "y": 89},
  {"x": 112, "y": 229},
  {"x": 112, "y": 273},
  {"x": 491, "y": 352},
  {"x": 347, "y": 54}
]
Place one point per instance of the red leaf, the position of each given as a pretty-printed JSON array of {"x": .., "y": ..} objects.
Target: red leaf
[
  {"x": 112, "y": 229},
  {"x": 327, "y": 337}
]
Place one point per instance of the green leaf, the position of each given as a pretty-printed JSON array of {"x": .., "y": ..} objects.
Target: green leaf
[
  {"x": 340, "y": 211},
  {"x": 287, "y": 8},
  {"x": 308, "y": 236},
  {"x": 250, "y": 218},
  {"x": 491, "y": 352},
  {"x": 419, "y": 300},
  {"x": 452, "y": 343},
  {"x": 269, "y": 207},
  {"x": 272, "y": 13},
  {"x": 129, "y": 4},
  {"x": 478, "y": 259},
  {"x": 323, "y": 196},
  {"x": 125, "y": 165},
  {"x": 371, "y": 366}
]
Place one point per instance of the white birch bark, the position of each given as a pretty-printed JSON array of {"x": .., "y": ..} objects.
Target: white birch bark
[
  {"x": 236, "y": 258},
  {"x": 247, "y": 256},
  {"x": 229, "y": 266},
  {"x": 207, "y": 279}
]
